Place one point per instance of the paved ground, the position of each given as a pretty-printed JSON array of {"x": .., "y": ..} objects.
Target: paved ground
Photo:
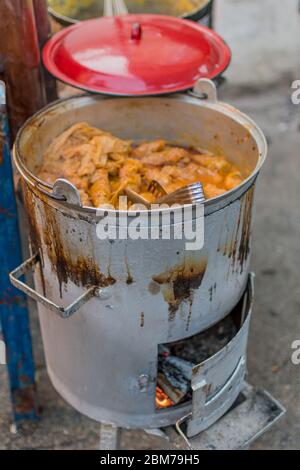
[{"x": 276, "y": 321}]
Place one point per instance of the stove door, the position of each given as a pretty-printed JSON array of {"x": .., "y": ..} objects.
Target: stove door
[{"x": 217, "y": 382}]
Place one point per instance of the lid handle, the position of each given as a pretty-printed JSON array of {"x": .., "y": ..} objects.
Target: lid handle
[{"x": 136, "y": 31}]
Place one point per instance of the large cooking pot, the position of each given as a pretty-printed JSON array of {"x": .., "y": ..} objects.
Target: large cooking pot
[
  {"x": 117, "y": 300},
  {"x": 68, "y": 12}
]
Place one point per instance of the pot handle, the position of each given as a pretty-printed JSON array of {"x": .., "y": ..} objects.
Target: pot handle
[
  {"x": 63, "y": 312},
  {"x": 62, "y": 190},
  {"x": 205, "y": 89}
]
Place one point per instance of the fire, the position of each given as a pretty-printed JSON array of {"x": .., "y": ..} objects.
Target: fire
[{"x": 162, "y": 399}]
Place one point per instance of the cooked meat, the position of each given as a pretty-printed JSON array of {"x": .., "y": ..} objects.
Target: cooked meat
[
  {"x": 211, "y": 190},
  {"x": 100, "y": 190},
  {"x": 215, "y": 164},
  {"x": 131, "y": 174},
  {"x": 102, "y": 166},
  {"x": 169, "y": 156},
  {"x": 149, "y": 147},
  {"x": 233, "y": 179}
]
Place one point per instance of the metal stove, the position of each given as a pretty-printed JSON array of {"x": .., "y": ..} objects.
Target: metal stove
[{"x": 232, "y": 416}]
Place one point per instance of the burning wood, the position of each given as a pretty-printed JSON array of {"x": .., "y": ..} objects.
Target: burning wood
[
  {"x": 162, "y": 399},
  {"x": 174, "y": 376},
  {"x": 176, "y": 362}
]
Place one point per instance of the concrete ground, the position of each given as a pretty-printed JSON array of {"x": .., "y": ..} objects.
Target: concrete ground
[
  {"x": 276, "y": 320},
  {"x": 276, "y": 257}
]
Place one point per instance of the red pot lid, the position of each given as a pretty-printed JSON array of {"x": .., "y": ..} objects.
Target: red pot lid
[{"x": 136, "y": 55}]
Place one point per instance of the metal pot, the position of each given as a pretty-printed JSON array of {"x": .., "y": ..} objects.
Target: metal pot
[
  {"x": 202, "y": 11},
  {"x": 132, "y": 295}
]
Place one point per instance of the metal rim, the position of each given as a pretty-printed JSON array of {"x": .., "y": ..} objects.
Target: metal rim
[
  {"x": 214, "y": 204},
  {"x": 198, "y": 13},
  {"x": 63, "y": 20}
]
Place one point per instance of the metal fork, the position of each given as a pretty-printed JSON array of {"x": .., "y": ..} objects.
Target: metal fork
[
  {"x": 190, "y": 194},
  {"x": 156, "y": 189},
  {"x": 114, "y": 8},
  {"x": 136, "y": 198}
]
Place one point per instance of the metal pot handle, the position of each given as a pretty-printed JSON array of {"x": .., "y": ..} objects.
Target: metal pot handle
[
  {"x": 62, "y": 190},
  {"x": 204, "y": 89},
  {"x": 63, "y": 312}
]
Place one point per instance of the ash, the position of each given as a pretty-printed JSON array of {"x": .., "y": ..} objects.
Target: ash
[{"x": 204, "y": 345}]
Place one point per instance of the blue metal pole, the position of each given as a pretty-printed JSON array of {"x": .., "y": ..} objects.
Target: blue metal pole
[{"x": 13, "y": 304}]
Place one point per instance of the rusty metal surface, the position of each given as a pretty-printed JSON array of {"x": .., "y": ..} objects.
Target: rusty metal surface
[
  {"x": 70, "y": 246},
  {"x": 66, "y": 312},
  {"x": 51, "y": 239},
  {"x": 180, "y": 283}
]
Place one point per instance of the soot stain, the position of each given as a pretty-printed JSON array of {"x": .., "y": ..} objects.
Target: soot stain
[
  {"x": 80, "y": 269},
  {"x": 180, "y": 283}
]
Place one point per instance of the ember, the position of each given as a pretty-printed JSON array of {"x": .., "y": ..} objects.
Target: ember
[
  {"x": 177, "y": 360},
  {"x": 162, "y": 399}
]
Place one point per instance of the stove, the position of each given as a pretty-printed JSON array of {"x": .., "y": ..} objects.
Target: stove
[{"x": 228, "y": 416}]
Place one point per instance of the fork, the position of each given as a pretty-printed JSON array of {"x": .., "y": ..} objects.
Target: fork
[
  {"x": 156, "y": 189},
  {"x": 136, "y": 198},
  {"x": 114, "y": 8},
  {"x": 190, "y": 194}
]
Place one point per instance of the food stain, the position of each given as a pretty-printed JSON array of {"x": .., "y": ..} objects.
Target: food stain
[{"x": 154, "y": 288}]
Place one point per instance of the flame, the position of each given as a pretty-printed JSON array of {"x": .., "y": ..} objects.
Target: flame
[{"x": 162, "y": 399}]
